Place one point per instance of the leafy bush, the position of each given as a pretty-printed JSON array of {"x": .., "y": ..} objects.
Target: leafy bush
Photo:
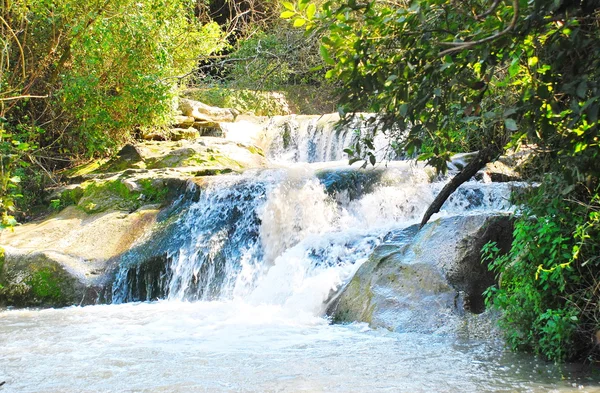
[
  {"x": 548, "y": 282},
  {"x": 77, "y": 78}
]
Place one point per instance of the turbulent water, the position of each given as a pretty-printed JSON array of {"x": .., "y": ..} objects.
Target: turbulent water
[
  {"x": 252, "y": 265},
  {"x": 235, "y": 347}
]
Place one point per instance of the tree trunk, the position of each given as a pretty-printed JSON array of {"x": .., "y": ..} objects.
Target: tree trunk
[{"x": 483, "y": 157}]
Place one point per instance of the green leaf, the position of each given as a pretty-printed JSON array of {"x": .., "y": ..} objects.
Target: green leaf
[
  {"x": 288, "y": 6},
  {"x": 532, "y": 61},
  {"x": 299, "y": 22},
  {"x": 424, "y": 156},
  {"x": 302, "y": 4},
  {"x": 311, "y": 11},
  {"x": 325, "y": 55},
  {"x": 287, "y": 14},
  {"x": 511, "y": 124},
  {"x": 582, "y": 89}
]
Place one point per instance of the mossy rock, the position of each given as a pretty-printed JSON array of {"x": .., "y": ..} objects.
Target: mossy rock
[
  {"x": 82, "y": 170},
  {"x": 128, "y": 157},
  {"x": 120, "y": 194},
  {"x": 188, "y": 157},
  {"x": 425, "y": 280},
  {"x": 36, "y": 280}
]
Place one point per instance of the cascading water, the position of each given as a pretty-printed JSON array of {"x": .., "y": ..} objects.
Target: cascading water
[
  {"x": 244, "y": 284},
  {"x": 292, "y": 236}
]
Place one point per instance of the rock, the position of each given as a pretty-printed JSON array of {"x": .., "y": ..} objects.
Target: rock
[
  {"x": 127, "y": 157},
  {"x": 154, "y": 135},
  {"x": 190, "y": 133},
  {"x": 64, "y": 260},
  {"x": 183, "y": 121},
  {"x": 205, "y": 113},
  {"x": 499, "y": 172},
  {"x": 425, "y": 281},
  {"x": 37, "y": 279}
]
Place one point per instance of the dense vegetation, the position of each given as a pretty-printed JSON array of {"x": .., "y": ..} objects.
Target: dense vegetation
[
  {"x": 77, "y": 79},
  {"x": 449, "y": 76}
]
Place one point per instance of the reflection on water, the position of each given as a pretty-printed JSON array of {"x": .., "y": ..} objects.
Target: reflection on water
[{"x": 234, "y": 347}]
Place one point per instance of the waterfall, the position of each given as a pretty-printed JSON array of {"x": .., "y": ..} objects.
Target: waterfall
[
  {"x": 293, "y": 234},
  {"x": 306, "y": 138}
]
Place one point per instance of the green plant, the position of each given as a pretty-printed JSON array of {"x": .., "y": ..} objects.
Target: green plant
[
  {"x": 450, "y": 75},
  {"x": 548, "y": 281},
  {"x": 77, "y": 78}
]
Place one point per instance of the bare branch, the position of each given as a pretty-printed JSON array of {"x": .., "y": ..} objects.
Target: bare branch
[{"x": 21, "y": 97}]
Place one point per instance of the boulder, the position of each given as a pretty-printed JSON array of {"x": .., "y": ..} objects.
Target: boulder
[
  {"x": 205, "y": 113},
  {"x": 425, "y": 281},
  {"x": 64, "y": 259},
  {"x": 190, "y": 133},
  {"x": 128, "y": 157},
  {"x": 183, "y": 121}
]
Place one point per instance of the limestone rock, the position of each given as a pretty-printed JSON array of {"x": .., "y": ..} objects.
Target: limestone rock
[
  {"x": 427, "y": 280},
  {"x": 183, "y": 121},
  {"x": 190, "y": 133},
  {"x": 64, "y": 260},
  {"x": 203, "y": 112},
  {"x": 127, "y": 157}
]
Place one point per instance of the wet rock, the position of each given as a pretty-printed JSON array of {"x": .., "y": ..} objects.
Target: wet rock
[
  {"x": 427, "y": 280},
  {"x": 37, "y": 279},
  {"x": 207, "y": 128},
  {"x": 64, "y": 260}
]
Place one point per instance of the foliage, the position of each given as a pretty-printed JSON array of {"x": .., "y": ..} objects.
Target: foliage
[
  {"x": 265, "y": 54},
  {"x": 490, "y": 75},
  {"x": 274, "y": 59},
  {"x": 462, "y": 75},
  {"x": 76, "y": 78},
  {"x": 548, "y": 286}
]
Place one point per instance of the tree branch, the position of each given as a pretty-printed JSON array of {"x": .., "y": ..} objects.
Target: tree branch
[
  {"x": 483, "y": 157},
  {"x": 489, "y": 11},
  {"x": 459, "y": 46}
]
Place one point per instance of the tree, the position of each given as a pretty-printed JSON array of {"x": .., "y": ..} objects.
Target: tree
[
  {"x": 447, "y": 76},
  {"x": 76, "y": 78}
]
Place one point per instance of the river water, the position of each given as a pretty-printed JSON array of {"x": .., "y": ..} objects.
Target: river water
[
  {"x": 253, "y": 264},
  {"x": 172, "y": 346}
]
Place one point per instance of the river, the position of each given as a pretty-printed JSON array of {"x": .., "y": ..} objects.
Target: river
[{"x": 241, "y": 304}]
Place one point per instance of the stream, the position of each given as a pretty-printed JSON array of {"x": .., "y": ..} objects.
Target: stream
[{"x": 240, "y": 305}]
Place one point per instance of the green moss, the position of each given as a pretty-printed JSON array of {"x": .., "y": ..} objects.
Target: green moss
[
  {"x": 355, "y": 303},
  {"x": 36, "y": 281},
  {"x": 84, "y": 169},
  {"x": 286, "y": 136},
  {"x": 69, "y": 197},
  {"x": 255, "y": 150},
  {"x": 45, "y": 285},
  {"x": 101, "y": 196}
]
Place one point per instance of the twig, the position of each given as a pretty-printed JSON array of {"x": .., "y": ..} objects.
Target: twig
[
  {"x": 22, "y": 97},
  {"x": 22, "y": 53}
]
